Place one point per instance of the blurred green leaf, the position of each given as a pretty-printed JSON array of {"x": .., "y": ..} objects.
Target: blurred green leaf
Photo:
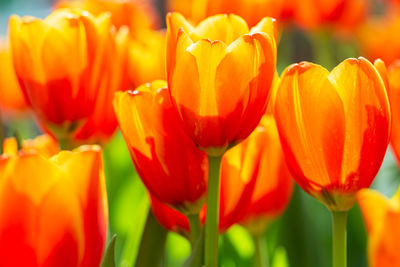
[
  {"x": 241, "y": 240},
  {"x": 152, "y": 245},
  {"x": 280, "y": 258},
  {"x": 109, "y": 259},
  {"x": 178, "y": 249},
  {"x": 196, "y": 257},
  {"x": 130, "y": 214}
]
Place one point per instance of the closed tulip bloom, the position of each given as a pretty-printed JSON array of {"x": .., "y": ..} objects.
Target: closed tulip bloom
[
  {"x": 43, "y": 144},
  {"x": 338, "y": 14},
  {"x": 239, "y": 172},
  {"x": 394, "y": 96},
  {"x": 334, "y": 128},
  {"x": 378, "y": 32},
  {"x": 170, "y": 165},
  {"x": 220, "y": 74},
  {"x": 11, "y": 97},
  {"x": 53, "y": 211},
  {"x": 135, "y": 14},
  {"x": 250, "y": 10},
  {"x": 59, "y": 62},
  {"x": 274, "y": 185},
  {"x": 382, "y": 220},
  {"x": 102, "y": 123}
]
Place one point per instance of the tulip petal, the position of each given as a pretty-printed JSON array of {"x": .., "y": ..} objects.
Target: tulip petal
[
  {"x": 366, "y": 108},
  {"x": 373, "y": 206},
  {"x": 164, "y": 156},
  {"x": 310, "y": 118},
  {"x": 225, "y": 28}
]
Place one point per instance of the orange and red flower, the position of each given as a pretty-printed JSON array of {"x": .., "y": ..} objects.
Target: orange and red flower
[
  {"x": 170, "y": 165},
  {"x": 53, "y": 210},
  {"x": 378, "y": 32},
  {"x": 102, "y": 123},
  {"x": 135, "y": 14},
  {"x": 66, "y": 64},
  {"x": 382, "y": 220},
  {"x": 274, "y": 185},
  {"x": 394, "y": 97},
  {"x": 11, "y": 97},
  {"x": 219, "y": 76},
  {"x": 334, "y": 128}
]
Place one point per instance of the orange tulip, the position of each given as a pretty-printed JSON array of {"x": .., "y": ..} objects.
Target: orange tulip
[
  {"x": 102, "y": 123},
  {"x": 136, "y": 14},
  {"x": 344, "y": 14},
  {"x": 239, "y": 174},
  {"x": 170, "y": 218},
  {"x": 168, "y": 162},
  {"x": 146, "y": 59},
  {"x": 274, "y": 185},
  {"x": 250, "y": 10},
  {"x": 334, "y": 128},
  {"x": 43, "y": 144},
  {"x": 53, "y": 210},
  {"x": 11, "y": 97},
  {"x": 394, "y": 96},
  {"x": 245, "y": 195},
  {"x": 219, "y": 75},
  {"x": 63, "y": 63},
  {"x": 378, "y": 32},
  {"x": 382, "y": 220}
]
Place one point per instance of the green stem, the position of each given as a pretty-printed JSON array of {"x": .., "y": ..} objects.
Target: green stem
[
  {"x": 152, "y": 246},
  {"x": 212, "y": 216},
  {"x": 261, "y": 251},
  {"x": 195, "y": 227},
  {"x": 339, "y": 238}
]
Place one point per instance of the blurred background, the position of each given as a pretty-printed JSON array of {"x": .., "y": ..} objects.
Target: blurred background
[{"x": 300, "y": 238}]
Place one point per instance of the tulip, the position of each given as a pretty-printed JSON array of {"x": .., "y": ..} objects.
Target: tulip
[
  {"x": 382, "y": 219},
  {"x": 11, "y": 97},
  {"x": 334, "y": 129},
  {"x": 219, "y": 76},
  {"x": 378, "y": 32},
  {"x": 274, "y": 185},
  {"x": 166, "y": 159},
  {"x": 43, "y": 144},
  {"x": 137, "y": 15},
  {"x": 53, "y": 210},
  {"x": 59, "y": 62},
  {"x": 394, "y": 96},
  {"x": 343, "y": 14},
  {"x": 102, "y": 123},
  {"x": 251, "y": 10},
  {"x": 220, "y": 85},
  {"x": 146, "y": 59}
]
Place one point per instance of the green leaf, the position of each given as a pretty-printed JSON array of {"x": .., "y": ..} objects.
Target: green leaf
[{"x": 109, "y": 259}]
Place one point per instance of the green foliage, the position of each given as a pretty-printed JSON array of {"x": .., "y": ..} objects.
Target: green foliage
[{"x": 109, "y": 258}]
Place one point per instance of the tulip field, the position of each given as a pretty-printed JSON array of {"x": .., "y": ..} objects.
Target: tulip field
[{"x": 155, "y": 133}]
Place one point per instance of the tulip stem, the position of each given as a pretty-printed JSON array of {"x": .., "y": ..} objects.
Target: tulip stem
[
  {"x": 212, "y": 216},
  {"x": 261, "y": 251},
  {"x": 195, "y": 227},
  {"x": 339, "y": 238}
]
